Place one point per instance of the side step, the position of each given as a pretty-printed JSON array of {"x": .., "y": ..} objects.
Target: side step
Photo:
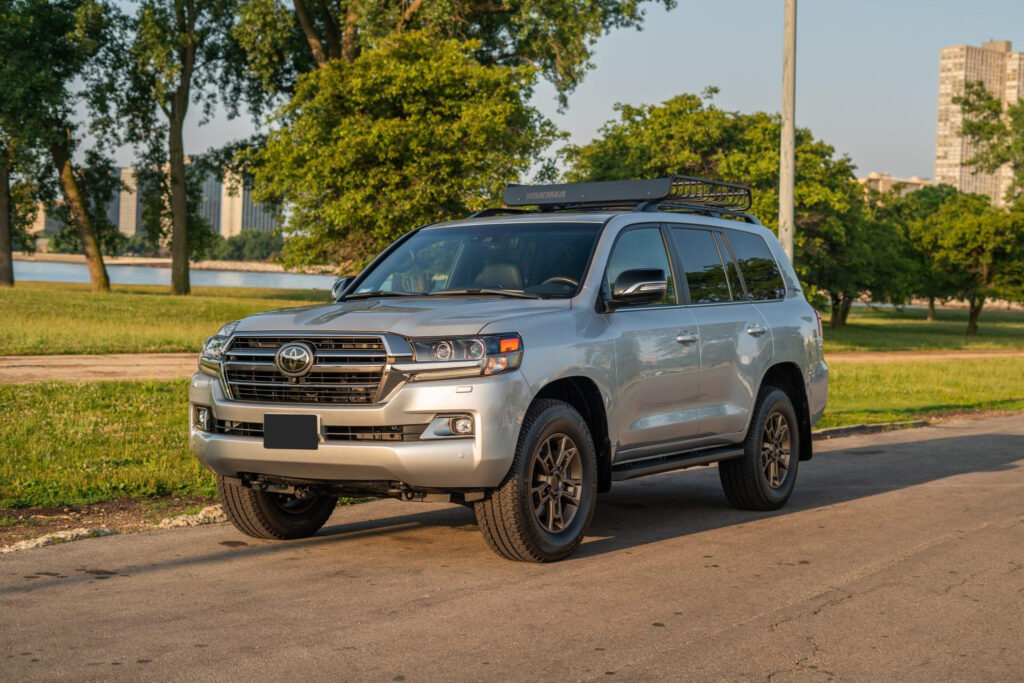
[{"x": 678, "y": 461}]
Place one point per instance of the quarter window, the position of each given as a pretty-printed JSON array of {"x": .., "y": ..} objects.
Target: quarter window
[
  {"x": 641, "y": 248},
  {"x": 760, "y": 271},
  {"x": 705, "y": 269}
]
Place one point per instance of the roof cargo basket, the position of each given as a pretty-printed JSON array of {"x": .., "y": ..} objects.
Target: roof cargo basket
[{"x": 679, "y": 189}]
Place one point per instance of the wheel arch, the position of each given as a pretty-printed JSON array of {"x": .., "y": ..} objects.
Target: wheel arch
[
  {"x": 788, "y": 377},
  {"x": 583, "y": 394}
]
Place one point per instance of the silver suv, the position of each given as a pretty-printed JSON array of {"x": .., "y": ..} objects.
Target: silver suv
[{"x": 521, "y": 360}]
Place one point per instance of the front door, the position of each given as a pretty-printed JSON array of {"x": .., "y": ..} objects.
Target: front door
[
  {"x": 657, "y": 359},
  {"x": 735, "y": 340}
]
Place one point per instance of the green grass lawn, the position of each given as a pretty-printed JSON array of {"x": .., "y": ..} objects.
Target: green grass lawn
[
  {"x": 885, "y": 328},
  {"x": 68, "y": 444},
  {"x": 50, "y": 317}
]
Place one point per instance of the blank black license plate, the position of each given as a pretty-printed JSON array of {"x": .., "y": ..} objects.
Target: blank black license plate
[{"x": 295, "y": 432}]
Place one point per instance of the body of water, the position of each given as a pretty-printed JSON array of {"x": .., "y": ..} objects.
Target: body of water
[{"x": 51, "y": 271}]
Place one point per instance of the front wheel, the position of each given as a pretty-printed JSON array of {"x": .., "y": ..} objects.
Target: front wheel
[
  {"x": 273, "y": 515},
  {"x": 763, "y": 477},
  {"x": 542, "y": 510}
]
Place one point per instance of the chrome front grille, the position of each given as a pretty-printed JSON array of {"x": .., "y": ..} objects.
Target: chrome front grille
[
  {"x": 347, "y": 370},
  {"x": 331, "y": 432}
]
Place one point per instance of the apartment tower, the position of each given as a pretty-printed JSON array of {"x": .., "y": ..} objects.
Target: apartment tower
[{"x": 1002, "y": 71}]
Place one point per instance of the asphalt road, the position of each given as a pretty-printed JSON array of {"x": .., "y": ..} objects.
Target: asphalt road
[{"x": 901, "y": 556}]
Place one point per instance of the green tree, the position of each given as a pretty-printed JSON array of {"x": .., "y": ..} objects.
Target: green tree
[
  {"x": 842, "y": 247},
  {"x": 925, "y": 277},
  {"x": 171, "y": 55},
  {"x": 980, "y": 248},
  {"x": 998, "y": 133},
  {"x": 411, "y": 132},
  {"x": 285, "y": 39},
  {"x": 47, "y": 47}
]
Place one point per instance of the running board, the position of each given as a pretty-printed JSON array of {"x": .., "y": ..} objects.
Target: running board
[{"x": 678, "y": 461}]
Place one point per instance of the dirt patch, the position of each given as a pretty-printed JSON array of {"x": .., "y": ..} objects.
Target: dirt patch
[
  {"x": 121, "y": 515},
  {"x": 84, "y": 367}
]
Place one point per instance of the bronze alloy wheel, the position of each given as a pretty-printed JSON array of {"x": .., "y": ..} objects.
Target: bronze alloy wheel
[
  {"x": 775, "y": 449},
  {"x": 556, "y": 482}
]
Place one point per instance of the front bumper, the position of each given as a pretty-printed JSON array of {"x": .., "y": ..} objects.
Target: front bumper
[{"x": 497, "y": 404}]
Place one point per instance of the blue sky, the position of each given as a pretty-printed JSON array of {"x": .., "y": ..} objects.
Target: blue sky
[{"x": 867, "y": 70}]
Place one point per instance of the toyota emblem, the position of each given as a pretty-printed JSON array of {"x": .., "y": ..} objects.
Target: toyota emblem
[{"x": 294, "y": 359}]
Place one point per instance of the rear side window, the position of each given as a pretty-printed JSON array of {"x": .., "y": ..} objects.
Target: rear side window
[
  {"x": 760, "y": 271},
  {"x": 704, "y": 266}
]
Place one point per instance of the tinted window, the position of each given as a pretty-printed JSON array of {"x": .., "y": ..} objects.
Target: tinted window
[
  {"x": 641, "y": 248},
  {"x": 547, "y": 259},
  {"x": 760, "y": 272},
  {"x": 705, "y": 272},
  {"x": 732, "y": 276}
]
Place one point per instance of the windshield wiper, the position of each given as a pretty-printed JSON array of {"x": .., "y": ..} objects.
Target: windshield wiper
[
  {"x": 513, "y": 293},
  {"x": 366, "y": 295}
]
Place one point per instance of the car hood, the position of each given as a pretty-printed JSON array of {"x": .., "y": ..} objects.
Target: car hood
[{"x": 412, "y": 317}]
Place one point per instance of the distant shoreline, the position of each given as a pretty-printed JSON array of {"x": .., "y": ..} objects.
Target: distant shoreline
[{"x": 160, "y": 262}]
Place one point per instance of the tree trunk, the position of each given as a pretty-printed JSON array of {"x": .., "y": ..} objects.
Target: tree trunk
[
  {"x": 835, "y": 320},
  {"x": 931, "y": 309},
  {"x": 847, "y": 303},
  {"x": 973, "y": 313},
  {"x": 350, "y": 37},
  {"x": 179, "y": 206},
  {"x": 316, "y": 46},
  {"x": 61, "y": 153},
  {"x": 6, "y": 229}
]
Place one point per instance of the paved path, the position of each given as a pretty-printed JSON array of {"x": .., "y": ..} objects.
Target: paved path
[
  {"x": 900, "y": 556},
  {"x": 73, "y": 368}
]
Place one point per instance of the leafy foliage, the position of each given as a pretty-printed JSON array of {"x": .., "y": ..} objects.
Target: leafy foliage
[
  {"x": 842, "y": 246},
  {"x": 998, "y": 132},
  {"x": 412, "y": 132},
  {"x": 248, "y": 245},
  {"x": 285, "y": 39},
  {"x": 980, "y": 248}
]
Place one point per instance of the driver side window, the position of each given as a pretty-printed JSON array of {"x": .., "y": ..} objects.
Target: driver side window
[{"x": 641, "y": 248}]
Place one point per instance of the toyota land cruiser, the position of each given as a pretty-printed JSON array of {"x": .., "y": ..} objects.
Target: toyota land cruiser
[{"x": 521, "y": 360}]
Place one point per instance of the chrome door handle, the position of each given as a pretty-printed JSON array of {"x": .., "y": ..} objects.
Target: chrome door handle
[
  {"x": 687, "y": 338},
  {"x": 756, "y": 330}
]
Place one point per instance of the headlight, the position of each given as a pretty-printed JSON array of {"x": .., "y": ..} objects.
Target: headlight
[
  {"x": 213, "y": 347},
  {"x": 464, "y": 356}
]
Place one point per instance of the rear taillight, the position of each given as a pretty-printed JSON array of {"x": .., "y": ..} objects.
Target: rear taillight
[{"x": 821, "y": 333}]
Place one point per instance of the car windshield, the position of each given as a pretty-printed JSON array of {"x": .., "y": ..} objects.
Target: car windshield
[{"x": 545, "y": 260}]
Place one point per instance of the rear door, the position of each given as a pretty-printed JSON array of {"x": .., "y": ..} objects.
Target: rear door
[
  {"x": 656, "y": 352},
  {"x": 735, "y": 340}
]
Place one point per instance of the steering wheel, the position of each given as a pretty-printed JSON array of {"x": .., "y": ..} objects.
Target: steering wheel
[{"x": 561, "y": 280}]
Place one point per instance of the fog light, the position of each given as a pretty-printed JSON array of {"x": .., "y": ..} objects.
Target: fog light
[
  {"x": 461, "y": 425},
  {"x": 202, "y": 418}
]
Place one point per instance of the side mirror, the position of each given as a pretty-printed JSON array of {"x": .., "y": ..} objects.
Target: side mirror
[
  {"x": 339, "y": 286},
  {"x": 639, "y": 286}
]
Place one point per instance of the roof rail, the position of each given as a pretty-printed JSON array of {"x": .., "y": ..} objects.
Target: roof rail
[{"x": 631, "y": 193}]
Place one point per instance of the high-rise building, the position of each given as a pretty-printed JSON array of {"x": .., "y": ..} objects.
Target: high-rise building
[
  {"x": 1002, "y": 71},
  {"x": 239, "y": 212},
  {"x": 129, "y": 205}
]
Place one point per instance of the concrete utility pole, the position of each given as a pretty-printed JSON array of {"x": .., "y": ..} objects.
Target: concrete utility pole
[{"x": 787, "y": 155}]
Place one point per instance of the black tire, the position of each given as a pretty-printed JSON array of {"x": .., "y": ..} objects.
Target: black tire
[
  {"x": 509, "y": 518},
  {"x": 273, "y": 515},
  {"x": 745, "y": 480}
]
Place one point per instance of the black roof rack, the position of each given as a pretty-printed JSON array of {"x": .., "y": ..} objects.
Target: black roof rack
[{"x": 631, "y": 193}]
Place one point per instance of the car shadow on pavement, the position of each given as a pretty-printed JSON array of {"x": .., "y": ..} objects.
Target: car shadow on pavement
[
  {"x": 647, "y": 510},
  {"x": 689, "y": 502}
]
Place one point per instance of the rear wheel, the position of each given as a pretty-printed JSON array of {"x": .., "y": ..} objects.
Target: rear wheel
[
  {"x": 273, "y": 515},
  {"x": 764, "y": 476},
  {"x": 541, "y": 511}
]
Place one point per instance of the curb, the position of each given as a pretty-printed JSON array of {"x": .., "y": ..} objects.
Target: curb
[{"x": 851, "y": 430}]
